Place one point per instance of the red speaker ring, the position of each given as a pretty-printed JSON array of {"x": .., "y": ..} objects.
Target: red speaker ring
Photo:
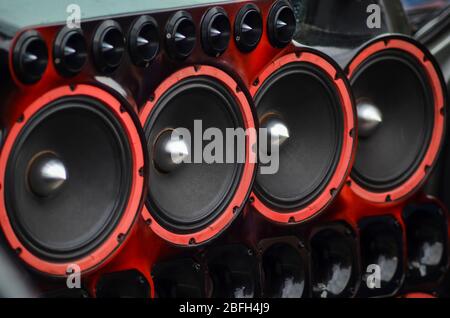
[
  {"x": 115, "y": 240},
  {"x": 348, "y": 143},
  {"x": 420, "y": 175},
  {"x": 243, "y": 189}
]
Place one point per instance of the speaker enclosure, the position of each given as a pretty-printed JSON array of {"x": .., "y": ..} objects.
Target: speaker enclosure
[{"x": 415, "y": 51}]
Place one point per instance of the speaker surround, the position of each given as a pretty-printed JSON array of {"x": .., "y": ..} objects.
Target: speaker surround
[
  {"x": 51, "y": 251},
  {"x": 303, "y": 187},
  {"x": 412, "y": 103}
]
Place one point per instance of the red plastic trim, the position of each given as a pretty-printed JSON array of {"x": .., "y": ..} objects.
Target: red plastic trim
[
  {"x": 348, "y": 144},
  {"x": 104, "y": 251},
  {"x": 410, "y": 185},
  {"x": 225, "y": 219}
]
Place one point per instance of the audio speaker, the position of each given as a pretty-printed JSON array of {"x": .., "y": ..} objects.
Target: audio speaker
[
  {"x": 334, "y": 261},
  {"x": 233, "y": 271},
  {"x": 303, "y": 100},
  {"x": 71, "y": 170},
  {"x": 400, "y": 101},
  {"x": 179, "y": 278},
  {"x": 427, "y": 243},
  {"x": 284, "y": 268},
  {"x": 195, "y": 94},
  {"x": 87, "y": 112},
  {"x": 126, "y": 284},
  {"x": 381, "y": 244}
]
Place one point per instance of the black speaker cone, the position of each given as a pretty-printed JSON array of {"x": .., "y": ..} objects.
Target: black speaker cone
[
  {"x": 396, "y": 86},
  {"x": 182, "y": 278},
  {"x": 143, "y": 41},
  {"x": 233, "y": 271},
  {"x": 180, "y": 35},
  {"x": 382, "y": 245},
  {"x": 426, "y": 234},
  {"x": 281, "y": 24},
  {"x": 248, "y": 28},
  {"x": 314, "y": 120},
  {"x": 70, "y": 170},
  {"x": 216, "y": 31},
  {"x": 108, "y": 46},
  {"x": 193, "y": 194},
  {"x": 30, "y": 57},
  {"x": 284, "y": 272},
  {"x": 333, "y": 263},
  {"x": 70, "y": 53}
]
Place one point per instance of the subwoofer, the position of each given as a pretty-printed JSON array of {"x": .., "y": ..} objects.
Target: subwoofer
[{"x": 401, "y": 104}]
